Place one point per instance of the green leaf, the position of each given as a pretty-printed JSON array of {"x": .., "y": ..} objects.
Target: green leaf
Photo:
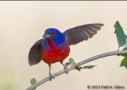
[
  {"x": 33, "y": 81},
  {"x": 72, "y": 67},
  {"x": 124, "y": 63},
  {"x": 125, "y": 49},
  {"x": 67, "y": 64},
  {"x": 88, "y": 67},
  {"x": 121, "y": 37},
  {"x": 124, "y": 55},
  {"x": 72, "y": 61},
  {"x": 125, "y": 46}
]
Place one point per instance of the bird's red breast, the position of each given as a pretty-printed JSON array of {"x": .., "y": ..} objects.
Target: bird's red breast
[{"x": 55, "y": 54}]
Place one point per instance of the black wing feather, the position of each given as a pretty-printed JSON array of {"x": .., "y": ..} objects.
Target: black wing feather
[
  {"x": 83, "y": 32},
  {"x": 35, "y": 52}
]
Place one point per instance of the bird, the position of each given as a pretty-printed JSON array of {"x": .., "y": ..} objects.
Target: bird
[{"x": 54, "y": 46}]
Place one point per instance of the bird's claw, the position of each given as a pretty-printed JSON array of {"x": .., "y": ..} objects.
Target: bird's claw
[
  {"x": 66, "y": 70},
  {"x": 50, "y": 76}
]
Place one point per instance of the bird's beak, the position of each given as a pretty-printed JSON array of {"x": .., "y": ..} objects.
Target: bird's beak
[{"x": 46, "y": 35}]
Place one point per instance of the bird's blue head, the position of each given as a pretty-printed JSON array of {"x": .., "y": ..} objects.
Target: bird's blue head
[{"x": 55, "y": 35}]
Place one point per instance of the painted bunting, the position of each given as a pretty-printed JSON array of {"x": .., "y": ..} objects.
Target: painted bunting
[{"x": 55, "y": 46}]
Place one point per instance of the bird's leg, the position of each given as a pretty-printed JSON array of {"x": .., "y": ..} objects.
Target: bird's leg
[
  {"x": 50, "y": 75},
  {"x": 65, "y": 68}
]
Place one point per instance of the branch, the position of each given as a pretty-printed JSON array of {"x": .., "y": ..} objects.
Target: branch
[{"x": 78, "y": 64}]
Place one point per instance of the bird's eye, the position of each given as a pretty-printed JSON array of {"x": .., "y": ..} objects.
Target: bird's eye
[{"x": 54, "y": 33}]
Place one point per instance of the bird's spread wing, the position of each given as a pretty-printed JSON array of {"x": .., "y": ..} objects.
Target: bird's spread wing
[
  {"x": 35, "y": 52},
  {"x": 83, "y": 32}
]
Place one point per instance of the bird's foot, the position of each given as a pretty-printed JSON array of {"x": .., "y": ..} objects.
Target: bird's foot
[
  {"x": 77, "y": 67},
  {"x": 50, "y": 76},
  {"x": 66, "y": 70}
]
